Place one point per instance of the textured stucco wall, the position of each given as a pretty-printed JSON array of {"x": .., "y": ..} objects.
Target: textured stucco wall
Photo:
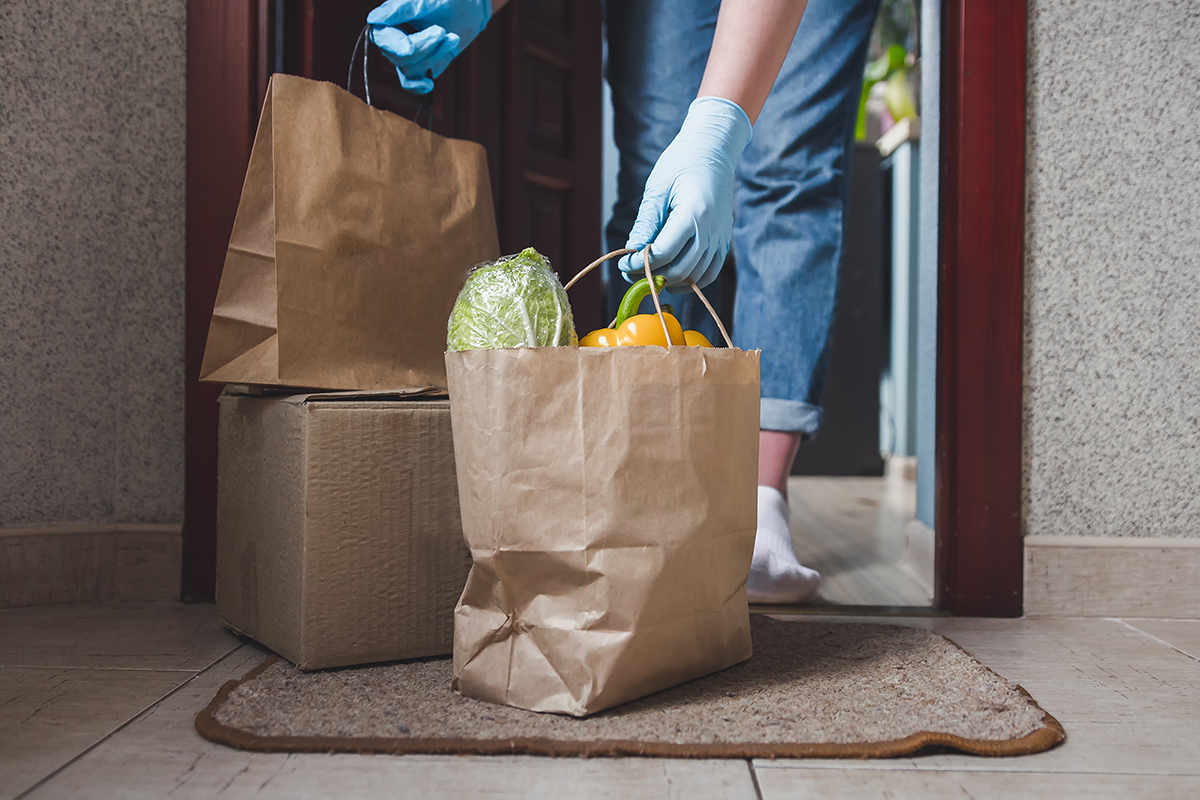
[
  {"x": 91, "y": 261},
  {"x": 1112, "y": 437}
]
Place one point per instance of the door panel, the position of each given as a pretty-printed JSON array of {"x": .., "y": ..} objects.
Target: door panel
[{"x": 551, "y": 170}]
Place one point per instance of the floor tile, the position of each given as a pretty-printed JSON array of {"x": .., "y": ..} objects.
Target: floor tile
[
  {"x": 49, "y": 716},
  {"x": 130, "y": 635},
  {"x": 1128, "y": 703},
  {"x": 900, "y": 785},
  {"x": 160, "y": 754},
  {"x": 1178, "y": 633},
  {"x": 1091, "y": 747},
  {"x": 1087, "y": 670}
]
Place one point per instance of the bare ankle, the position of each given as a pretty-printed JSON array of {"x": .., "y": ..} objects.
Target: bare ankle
[{"x": 776, "y": 452}]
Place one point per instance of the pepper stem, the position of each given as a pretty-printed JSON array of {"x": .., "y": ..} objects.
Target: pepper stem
[{"x": 634, "y": 297}]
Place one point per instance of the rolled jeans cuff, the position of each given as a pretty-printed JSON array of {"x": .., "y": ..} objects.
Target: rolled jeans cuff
[{"x": 793, "y": 416}]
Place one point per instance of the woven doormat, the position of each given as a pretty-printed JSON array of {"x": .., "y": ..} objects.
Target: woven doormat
[{"x": 811, "y": 690}]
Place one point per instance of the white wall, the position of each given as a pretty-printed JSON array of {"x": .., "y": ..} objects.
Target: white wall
[
  {"x": 1112, "y": 359},
  {"x": 91, "y": 261}
]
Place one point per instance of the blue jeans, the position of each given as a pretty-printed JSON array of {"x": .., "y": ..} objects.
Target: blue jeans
[{"x": 792, "y": 178}]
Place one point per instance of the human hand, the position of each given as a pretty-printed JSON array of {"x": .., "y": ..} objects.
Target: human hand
[
  {"x": 686, "y": 215},
  {"x": 444, "y": 28}
]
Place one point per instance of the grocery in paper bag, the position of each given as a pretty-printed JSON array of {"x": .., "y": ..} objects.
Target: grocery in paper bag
[{"x": 607, "y": 497}]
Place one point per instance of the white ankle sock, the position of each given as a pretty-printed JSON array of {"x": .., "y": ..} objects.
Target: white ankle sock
[{"x": 775, "y": 574}]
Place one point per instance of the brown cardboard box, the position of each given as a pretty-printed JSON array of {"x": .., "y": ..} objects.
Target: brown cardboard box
[{"x": 339, "y": 539}]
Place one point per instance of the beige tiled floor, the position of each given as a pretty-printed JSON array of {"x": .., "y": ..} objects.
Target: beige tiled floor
[{"x": 99, "y": 702}]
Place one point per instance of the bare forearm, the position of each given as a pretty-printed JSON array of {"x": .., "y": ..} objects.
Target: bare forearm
[{"x": 750, "y": 43}]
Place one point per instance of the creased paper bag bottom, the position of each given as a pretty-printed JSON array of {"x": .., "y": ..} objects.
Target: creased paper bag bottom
[{"x": 608, "y": 500}]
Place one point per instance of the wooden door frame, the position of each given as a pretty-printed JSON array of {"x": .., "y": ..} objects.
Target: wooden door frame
[
  {"x": 981, "y": 276},
  {"x": 978, "y": 514},
  {"x": 222, "y": 112}
]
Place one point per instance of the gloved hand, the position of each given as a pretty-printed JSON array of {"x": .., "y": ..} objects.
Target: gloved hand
[
  {"x": 444, "y": 28},
  {"x": 686, "y": 215}
]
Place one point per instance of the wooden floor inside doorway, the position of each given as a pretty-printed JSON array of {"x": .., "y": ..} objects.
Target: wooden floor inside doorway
[{"x": 861, "y": 535}]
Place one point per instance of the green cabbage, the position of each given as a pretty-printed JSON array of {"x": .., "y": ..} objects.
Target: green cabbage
[{"x": 514, "y": 302}]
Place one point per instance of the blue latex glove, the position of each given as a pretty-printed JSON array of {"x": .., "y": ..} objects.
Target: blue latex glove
[
  {"x": 444, "y": 28},
  {"x": 686, "y": 215}
]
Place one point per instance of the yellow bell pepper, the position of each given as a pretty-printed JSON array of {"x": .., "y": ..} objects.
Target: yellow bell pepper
[
  {"x": 647, "y": 329},
  {"x": 631, "y": 328},
  {"x": 605, "y": 337}
]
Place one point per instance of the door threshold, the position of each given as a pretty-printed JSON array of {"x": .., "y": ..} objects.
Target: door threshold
[{"x": 847, "y": 611}]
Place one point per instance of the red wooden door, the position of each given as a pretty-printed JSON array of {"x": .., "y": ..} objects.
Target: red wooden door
[
  {"x": 528, "y": 89},
  {"x": 550, "y": 173}
]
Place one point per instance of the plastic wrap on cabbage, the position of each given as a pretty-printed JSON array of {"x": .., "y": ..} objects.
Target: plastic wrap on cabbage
[{"x": 514, "y": 302}]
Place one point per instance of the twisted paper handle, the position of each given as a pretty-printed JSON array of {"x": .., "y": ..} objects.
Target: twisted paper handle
[
  {"x": 363, "y": 40},
  {"x": 424, "y": 104},
  {"x": 654, "y": 291}
]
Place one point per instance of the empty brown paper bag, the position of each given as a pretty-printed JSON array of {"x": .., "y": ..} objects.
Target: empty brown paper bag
[
  {"x": 608, "y": 500},
  {"x": 354, "y": 233}
]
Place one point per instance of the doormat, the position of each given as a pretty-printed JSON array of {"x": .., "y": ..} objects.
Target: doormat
[{"x": 812, "y": 690}]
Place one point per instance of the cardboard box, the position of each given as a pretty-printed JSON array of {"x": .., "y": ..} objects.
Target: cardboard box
[{"x": 339, "y": 539}]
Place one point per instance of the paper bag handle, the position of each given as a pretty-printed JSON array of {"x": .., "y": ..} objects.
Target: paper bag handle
[
  {"x": 364, "y": 40},
  {"x": 654, "y": 291}
]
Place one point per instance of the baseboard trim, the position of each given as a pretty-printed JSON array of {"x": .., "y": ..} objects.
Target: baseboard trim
[
  {"x": 1111, "y": 576},
  {"x": 78, "y": 530},
  {"x": 1121, "y": 542},
  {"x": 48, "y": 564}
]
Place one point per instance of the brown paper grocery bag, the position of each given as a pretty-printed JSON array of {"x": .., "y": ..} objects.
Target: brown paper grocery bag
[
  {"x": 608, "y": 501},
  {"x": 354, "y": 233}
]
